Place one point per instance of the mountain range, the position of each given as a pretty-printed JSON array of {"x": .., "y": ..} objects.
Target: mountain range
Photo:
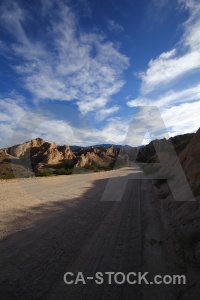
[{"x": 37, "y": 156}]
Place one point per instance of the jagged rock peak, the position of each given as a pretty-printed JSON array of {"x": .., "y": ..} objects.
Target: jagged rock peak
[{"x": 37, "y": 142}]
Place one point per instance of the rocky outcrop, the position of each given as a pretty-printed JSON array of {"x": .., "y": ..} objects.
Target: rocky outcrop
[
  {"x": 38, "y": 154},
  {"x": 3, "y": 152},
  {"x": 52, "y": 155},
  {"x": 83, "y": 160},
  {"x": 113, "y": 151},
  {"x": 21, "y": 150},
  {"x": 149, "y": 152}
]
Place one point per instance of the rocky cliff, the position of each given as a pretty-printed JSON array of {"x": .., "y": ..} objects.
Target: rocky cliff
[
  {"x": 39, "y": 154},
  {"x": 181, "y": 219}
]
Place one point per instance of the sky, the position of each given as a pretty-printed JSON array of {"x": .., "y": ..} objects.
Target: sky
[{"x": 88, "y": 72}]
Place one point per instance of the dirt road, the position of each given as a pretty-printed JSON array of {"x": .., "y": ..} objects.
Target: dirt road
[{"x": 50, "y": 226}]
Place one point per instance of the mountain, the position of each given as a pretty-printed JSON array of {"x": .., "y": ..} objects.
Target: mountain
[
  {"x": 124, "y": 147},
  {"x": 37, "y": 155}
]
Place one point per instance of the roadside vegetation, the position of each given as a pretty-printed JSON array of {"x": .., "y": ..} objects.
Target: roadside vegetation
[{"x": 149, "y": 168}]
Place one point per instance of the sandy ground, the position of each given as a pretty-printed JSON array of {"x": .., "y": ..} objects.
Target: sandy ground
[{"x": 50, "y": 226}]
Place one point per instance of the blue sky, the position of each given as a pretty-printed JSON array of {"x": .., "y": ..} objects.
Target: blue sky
[{"x": 85, "y": 72}]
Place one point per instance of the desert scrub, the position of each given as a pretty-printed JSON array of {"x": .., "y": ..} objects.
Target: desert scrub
[
  {"x": 63, "y": 171},
  {"x": 44, "y": 173},
  {"x": 12, "y": 176},
  {"x": 79, "y": 170},
  {"x": 86, "y": 169},
  {"x": 7, "y": 176},
  {"x": 90, "y": 167}
]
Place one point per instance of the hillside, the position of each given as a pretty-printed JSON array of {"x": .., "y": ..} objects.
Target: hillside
[{"x": 181, "y": 219}]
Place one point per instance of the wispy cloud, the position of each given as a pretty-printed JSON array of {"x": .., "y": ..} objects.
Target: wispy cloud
[
  {"x": 183, "y": 118},
  {"x": 12, "y": 111},
  {"x": 191, "y": 94},
  {"x": 179, "y": 61},
  {"x": 114, "y": 26},
  {"x": 105, "y": 112},
  {"x": 180, "y": 119},
  {"x": 68, "y": 64},
  {"x": 166, "y": 68}
]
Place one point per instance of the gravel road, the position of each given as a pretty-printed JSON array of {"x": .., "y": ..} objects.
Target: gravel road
[{"x": 99, "y": 222}]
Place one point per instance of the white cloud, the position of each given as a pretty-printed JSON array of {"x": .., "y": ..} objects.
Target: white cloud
[
  {"x": 104, "y": 113},
  {"x": 12, "y": 111},
  {"x": 114, "y": 132},
  {"x": 165, "y": 69},
  {"x": 69, "y": 64},
  {"x": 62, "y": 133},
  {"x": 181, "y": 60},
  {"x": 87, "y": 106},
  {"x": 20, "y": 123},
  {"x": 172, "y": 97},
  {"x": 183, "y": 118}
]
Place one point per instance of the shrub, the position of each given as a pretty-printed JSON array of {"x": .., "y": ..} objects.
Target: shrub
[
  {"x": 97, "y": 170},
  {"x": 79, "y": 170},
  {"x": 8, "y": 176},
  {"x": 63, "y": 171},
  {"x": 90, "y": 167},
  {"x": 11, "y": 176},
  {"x": 44, "y": 173}
]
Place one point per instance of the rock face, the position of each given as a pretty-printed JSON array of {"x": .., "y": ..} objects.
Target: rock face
[
  {"x": 112, "y": 151},
  {"x": 190, "y": 160},
  {"x": 38, "y": 154},
  {"x": 83, "y": 160}
]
